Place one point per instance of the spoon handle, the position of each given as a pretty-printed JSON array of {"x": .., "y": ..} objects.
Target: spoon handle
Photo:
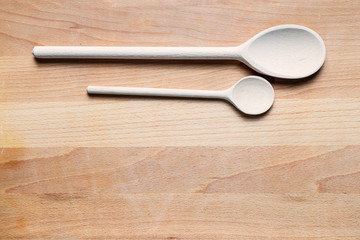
[
  {"x": 156, "y": 92},
  {"x": 136, "y": 52}
]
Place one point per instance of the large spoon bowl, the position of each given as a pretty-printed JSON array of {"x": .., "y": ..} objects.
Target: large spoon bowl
[{"x": 285, "y": 51}]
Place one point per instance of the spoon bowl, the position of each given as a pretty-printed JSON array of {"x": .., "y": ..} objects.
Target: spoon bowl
[
  {"x": 285, "y": 51},
  {"x": 251, "y": 95}
]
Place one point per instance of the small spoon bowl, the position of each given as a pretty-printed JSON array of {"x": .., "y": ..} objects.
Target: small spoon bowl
[{"x": 252, "y": 95}]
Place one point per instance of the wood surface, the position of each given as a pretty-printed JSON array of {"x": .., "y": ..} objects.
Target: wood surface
[{"x": 79, "y": 167}]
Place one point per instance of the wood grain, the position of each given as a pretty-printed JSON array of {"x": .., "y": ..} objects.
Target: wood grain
[{"x": 80, "y": 167}]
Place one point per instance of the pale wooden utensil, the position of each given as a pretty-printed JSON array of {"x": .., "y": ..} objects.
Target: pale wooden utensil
[
  {"x": 285, "y": 51},
  {"x": 251, "y": 95}
]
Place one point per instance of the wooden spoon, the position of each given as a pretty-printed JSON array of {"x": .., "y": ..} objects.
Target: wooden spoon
[
  {"x": 251, "y": 95},
  {"x": 285, "y": 51}
]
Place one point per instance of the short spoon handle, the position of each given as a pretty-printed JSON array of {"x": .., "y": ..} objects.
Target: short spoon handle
[
  {"x": 137, "y": 52},
  {"x": 156, "y": 92}
]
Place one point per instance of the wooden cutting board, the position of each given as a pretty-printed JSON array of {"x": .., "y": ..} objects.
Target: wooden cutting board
[{"x": 74, "y": 166}]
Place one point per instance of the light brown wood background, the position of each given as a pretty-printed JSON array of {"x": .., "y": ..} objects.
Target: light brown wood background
[{"x": 74, "y": 166}]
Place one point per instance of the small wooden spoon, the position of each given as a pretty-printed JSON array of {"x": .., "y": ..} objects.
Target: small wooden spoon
[{"x": 251, "y": 95}]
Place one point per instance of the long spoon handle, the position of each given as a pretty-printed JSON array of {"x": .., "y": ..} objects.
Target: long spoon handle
[
  {"x": 156, "y": 92},
  {"x": 136, "y": 52}
]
